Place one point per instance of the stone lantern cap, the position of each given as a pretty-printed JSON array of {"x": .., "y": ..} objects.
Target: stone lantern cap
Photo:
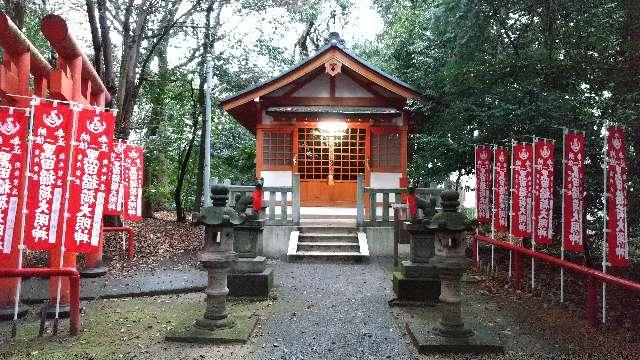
[
  {"x": 219, "y": 213},
  {"x": 449, "y": 219}
]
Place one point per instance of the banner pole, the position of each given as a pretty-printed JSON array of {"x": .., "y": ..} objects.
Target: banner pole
[
  {"x": 511, "y": 208},
  {"x": 475, "y": 166},
  {"x": 34, "y": 101},
  {"x": 605, "y": 216},
  {"x": 493, "y": 207},
  {"x": 564, "y": 186},
  {"x": 532, "y": 215},
  {"x": 76, "y": 109}
]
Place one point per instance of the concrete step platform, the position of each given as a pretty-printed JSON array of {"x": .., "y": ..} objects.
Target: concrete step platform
[
  {"x": 328, "y": 229},
  {"x": 328, "y": 256},
  {"x": 304, "y": 246},
  {"x": 317, "y": 237}
]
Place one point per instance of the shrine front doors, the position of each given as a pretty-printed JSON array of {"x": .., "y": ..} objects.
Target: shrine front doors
[{"x": 329, "y": 160}]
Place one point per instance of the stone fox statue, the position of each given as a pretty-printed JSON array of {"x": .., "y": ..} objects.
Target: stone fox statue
[
  {"x": 253, "y": 200},
  {"x": 415, "y": 202}
]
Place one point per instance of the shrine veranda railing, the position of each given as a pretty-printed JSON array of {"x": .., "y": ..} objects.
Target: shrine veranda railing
[
  {"x": 277, "y": 199},
  {"x": 375, "y": 205}
]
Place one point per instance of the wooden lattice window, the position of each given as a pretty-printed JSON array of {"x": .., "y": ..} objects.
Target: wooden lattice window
[
  {"x": 319, "y": 155},
  {"x": 385, "y": 151},
  {"x": 276, "y": 149},
  {"x": 349, "y": 154}
]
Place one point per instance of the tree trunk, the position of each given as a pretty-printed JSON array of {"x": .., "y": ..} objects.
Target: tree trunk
[
  {"x": 157, "y": 117},
  {"x": 107, "y": 54},
  {"x": 16, "y": 10},
  {"x": 177, "y": 194},
  {"x": 95, "y": 37}
]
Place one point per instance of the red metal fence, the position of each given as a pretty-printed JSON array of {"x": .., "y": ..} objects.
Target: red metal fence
[{"x": 592, "y": 276}]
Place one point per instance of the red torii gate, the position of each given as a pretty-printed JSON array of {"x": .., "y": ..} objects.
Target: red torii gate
[{"x": 73, "y": 79}]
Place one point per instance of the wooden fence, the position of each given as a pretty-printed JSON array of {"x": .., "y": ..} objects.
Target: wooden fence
[
  {"x": 273, "y": 197},
  {"x": 367, "y": 197}
]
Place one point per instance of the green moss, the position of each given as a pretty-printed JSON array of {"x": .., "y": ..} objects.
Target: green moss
[{"x": 112, "y": 327}]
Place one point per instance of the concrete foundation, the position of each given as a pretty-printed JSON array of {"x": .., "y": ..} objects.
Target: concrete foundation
[
  {"x": 275, "y": 240},
  {"x": 380, "y": 241}
]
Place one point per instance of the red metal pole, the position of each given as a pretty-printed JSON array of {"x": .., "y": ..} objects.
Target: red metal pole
[
  {"x": 517, "y": 271},
  {"x": 70, "y": 273},
  {"x": 592, "y": 299},
  {"x": 74, "y": 318},
  {"x": 474, "y": 252}
]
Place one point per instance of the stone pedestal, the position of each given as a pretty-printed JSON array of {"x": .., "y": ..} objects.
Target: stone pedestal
[
  {"x": 417, "y": 279},
  {"x": 250, "y": 276}
]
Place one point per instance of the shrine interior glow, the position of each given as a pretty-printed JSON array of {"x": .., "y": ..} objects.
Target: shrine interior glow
[{"x": 333, "y": 128}]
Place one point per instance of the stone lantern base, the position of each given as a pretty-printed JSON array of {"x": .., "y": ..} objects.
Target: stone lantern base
[
  {"x": 239, "y": 333},
  {"x": 428, "y": 340}
]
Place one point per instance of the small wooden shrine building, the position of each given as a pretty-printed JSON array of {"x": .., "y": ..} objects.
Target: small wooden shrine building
[{"x": 328, "y": 118}]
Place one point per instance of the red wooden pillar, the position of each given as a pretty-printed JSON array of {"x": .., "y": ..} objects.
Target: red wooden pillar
[
  {"x": 74, "y": 79},
  {"x": 19, "y": 60}
]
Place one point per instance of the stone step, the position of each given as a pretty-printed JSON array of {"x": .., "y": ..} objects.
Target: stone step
[
  {"x": 328, "y": 229},
  {"x": 335, "y": 247},
  {"x": 324, "y": 256},
  {"x": 316, "y": 237}
]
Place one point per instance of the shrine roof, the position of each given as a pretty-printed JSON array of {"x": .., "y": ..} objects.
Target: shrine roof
[
  {"x": 331, "y": 109},
  {"x": 387, "y": 90}
]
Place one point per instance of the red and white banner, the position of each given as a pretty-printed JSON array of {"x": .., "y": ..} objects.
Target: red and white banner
[
  {"x": 617, "y": 241},
  {"x": 521, "y": 196},
  {"x": 501, "y": 189},
  {"x": 132, "y": 178},
  {"x": 115, "y": 188},
  {"x": 13, "y": 135},
  {"x": 573, "y": 191},
  {"x": 543, "y": 195},
  {"x": 483, "y": 183},
  {"x": 52, "y": 126},
  {"x": 90, "y": 172}
]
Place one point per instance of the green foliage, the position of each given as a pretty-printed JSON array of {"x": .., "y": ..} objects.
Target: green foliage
[{"x": 494, "y": 70}]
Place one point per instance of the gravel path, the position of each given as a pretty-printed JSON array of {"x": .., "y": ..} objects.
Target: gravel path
[{"x": 332, "y": 311}]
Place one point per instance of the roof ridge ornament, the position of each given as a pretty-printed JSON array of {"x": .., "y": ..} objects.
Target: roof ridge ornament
[{"x": 334, "y": 39}]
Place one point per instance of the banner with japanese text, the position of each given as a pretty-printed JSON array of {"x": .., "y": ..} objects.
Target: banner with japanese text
[
  {"x": 483, "y": 183},
  {"x": 115, "y": 188},
  {"x": 132, "y": 179},
  {"x": 543, "y": 194},
  {"x": 52, "y": 126},
  {"x": 573, "y": 190},
  {"x": 617, "y": 241},
  {"x": 13, "y": 135},
  {"x": 90, "y": 172},
  {"x": 521, "y": 196},
  {"x": 501, "y": 189}
]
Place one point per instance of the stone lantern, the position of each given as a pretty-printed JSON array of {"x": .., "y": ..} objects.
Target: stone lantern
[
  {"x": 217, "y": 257},
  {"x": 451, "y": 262},
  {"x": 448, "y": 332}
]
